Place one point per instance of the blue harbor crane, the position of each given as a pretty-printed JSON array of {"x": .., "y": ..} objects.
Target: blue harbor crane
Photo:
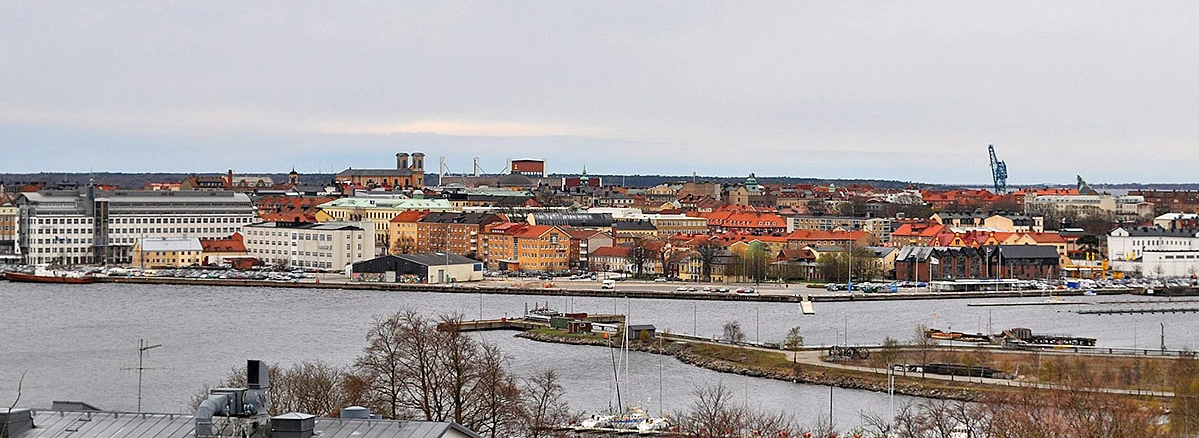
[{"x": 998, "y": 172}]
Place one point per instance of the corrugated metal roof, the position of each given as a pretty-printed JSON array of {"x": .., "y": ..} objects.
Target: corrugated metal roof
[{"x": 64, "y": 424}]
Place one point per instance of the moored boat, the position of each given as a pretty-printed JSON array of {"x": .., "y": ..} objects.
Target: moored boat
[{"x": 50, "y": 277}]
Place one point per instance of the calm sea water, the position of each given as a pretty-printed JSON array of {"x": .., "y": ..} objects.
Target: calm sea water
[{"x": 79, "y": 342}]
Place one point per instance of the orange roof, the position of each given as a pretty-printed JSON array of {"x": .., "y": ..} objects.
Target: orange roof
[
  {"x": 233, "y": 244},
  {"x": 919, "y": 230},
  {"x": 534, "y": 230},
  {"x": 410, "y": 216}
]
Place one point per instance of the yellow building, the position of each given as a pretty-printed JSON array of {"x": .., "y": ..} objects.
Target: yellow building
[
  {"x": 403, "y": 232},
  {"x": 521, "y": 247},
  {"x": 167, "y": 253},
  {"x": 8, "y": 233}
]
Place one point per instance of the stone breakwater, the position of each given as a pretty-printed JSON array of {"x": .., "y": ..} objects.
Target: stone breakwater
[{"x": 798, "y": 374}]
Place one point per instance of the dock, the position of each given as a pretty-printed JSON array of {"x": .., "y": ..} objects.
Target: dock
[
  {"x": 521, "y": 324},
  {"x": 1032, "y": 303},
  {"x": 1138, "y": 311}
]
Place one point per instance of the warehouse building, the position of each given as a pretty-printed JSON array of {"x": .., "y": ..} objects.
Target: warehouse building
[{"x": 432, "y": 268}]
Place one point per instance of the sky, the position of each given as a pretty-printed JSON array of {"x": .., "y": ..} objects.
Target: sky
[{"x": 910, "y": 91}]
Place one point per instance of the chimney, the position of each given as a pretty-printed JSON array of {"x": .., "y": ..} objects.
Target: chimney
[
  {"x": 418, "y": 161},
  {"x": 401, "y": 161},
  {"x": 15, "y": 422},
  {"x": 293, "y": 425}
]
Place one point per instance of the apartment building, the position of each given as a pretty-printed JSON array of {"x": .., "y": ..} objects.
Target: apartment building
[
  {"x": 456, "y": 233},
  {"x": 101, "y": 227},
  {"x": 882, "y": 228},
  {"x": 511, "y": 246},
  {"x": 324, "y": 246}
]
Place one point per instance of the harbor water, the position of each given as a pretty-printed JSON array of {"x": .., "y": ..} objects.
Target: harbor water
[{"x": 79, "y": 342}]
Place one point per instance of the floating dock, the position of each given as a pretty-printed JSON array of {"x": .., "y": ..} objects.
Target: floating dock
[{"x": 805, "y": 306}]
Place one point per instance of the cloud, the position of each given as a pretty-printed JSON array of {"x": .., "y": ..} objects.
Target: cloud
[{"x": 888, "y": 90}]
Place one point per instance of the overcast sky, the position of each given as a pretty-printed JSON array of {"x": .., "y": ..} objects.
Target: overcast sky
[{"x": 895, "y": 90}]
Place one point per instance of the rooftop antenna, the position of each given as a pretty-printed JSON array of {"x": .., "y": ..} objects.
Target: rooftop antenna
[{"x": 142, "y": 346}]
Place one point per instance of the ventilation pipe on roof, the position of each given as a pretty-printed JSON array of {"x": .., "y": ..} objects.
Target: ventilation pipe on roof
[{"x": 250, "y": 404}]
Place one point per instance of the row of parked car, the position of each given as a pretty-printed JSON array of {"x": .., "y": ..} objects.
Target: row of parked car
[{"x": 716, "y": 289}]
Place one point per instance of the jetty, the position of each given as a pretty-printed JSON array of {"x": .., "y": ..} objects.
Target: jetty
[
  {"x": 1138, "y": 311},
  {"x": 522, "y": 324}
]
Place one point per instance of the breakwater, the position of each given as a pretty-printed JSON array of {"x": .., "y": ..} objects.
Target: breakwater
[{"x": 798, "y": 373}]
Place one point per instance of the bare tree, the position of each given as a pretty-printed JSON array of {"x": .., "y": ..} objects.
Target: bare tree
[
  {"x": 733, "y": 333},
  {"x": 543, "y": 407},
  {"x": 498, "y": 394},
  {"x": 706, "y": 252},
  {"x": 924, "y": 344},
  {"x": 713, "y": 413}
]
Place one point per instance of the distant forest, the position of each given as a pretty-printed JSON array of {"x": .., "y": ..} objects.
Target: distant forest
[{"x": 138, "y": 180}]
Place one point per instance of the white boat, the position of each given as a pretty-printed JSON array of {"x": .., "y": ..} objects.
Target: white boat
[{"x": 597, "y": 422}]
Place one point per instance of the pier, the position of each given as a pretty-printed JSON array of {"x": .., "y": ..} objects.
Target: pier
[
  {"x": 1138, "y": 311},
  {"x": 522, "y": 324}
]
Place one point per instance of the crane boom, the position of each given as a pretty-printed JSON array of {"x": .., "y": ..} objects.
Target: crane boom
[{"x": 998, "y": 172}]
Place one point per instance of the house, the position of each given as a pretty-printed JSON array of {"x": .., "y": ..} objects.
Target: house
[
  {"x": 581, "y": 244},
  {"x": 167, "y": 253},
  {"x": 642, "y": 332},
  {"x": 218, "y": 251}
]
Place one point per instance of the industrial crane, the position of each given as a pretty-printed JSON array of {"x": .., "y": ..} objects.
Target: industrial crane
[{"x": 998, "y": 172}]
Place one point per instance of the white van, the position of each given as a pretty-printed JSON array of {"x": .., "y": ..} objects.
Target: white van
[{"x": 608, "y": 284}]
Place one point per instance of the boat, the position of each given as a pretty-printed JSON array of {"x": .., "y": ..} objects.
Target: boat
[{"x": 50, "y": 277}]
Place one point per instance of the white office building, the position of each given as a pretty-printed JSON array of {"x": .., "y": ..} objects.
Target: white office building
[
  {"x": 328, "y": 246},
  {"x": 1154, "y": 251},
  {"x": 100, "y": 227}
]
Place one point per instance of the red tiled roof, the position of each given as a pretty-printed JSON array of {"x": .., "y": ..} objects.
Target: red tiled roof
[
  {"x": 410, "y": 216},
  {"x": 234, "y": 243}
]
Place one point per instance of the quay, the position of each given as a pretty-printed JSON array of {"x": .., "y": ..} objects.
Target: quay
[{"x": 624, "y": 290}]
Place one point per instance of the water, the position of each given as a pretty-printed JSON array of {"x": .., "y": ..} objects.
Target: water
[{"x": 76, "y": 342}]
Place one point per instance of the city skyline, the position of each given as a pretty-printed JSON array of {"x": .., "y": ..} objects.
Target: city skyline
[{"x": 909, "y": 92}]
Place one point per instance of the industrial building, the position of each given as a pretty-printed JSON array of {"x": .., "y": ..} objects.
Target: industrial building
[{"x": 432, "y": 268}]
